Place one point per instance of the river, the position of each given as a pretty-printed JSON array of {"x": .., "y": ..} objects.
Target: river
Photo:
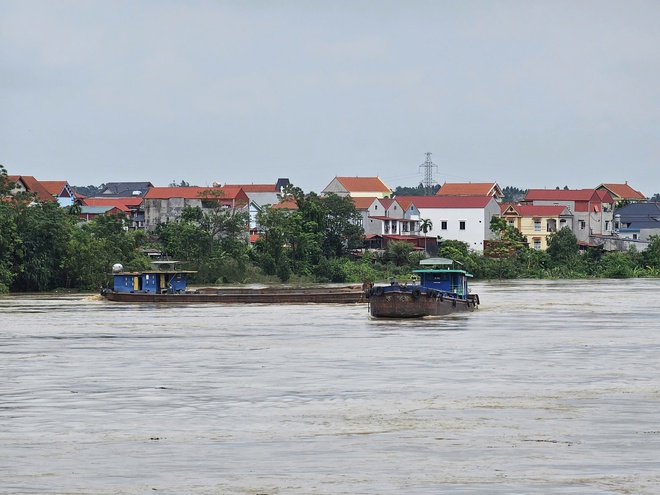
[{"x": 550, "y": 387}]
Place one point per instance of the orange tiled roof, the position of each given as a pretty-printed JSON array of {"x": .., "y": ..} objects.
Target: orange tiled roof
[
  {"x": 447, "y": 201},
  {"x": 32, "y": 185},
  {"x": 623, "y": 191},
  {"x": 362, "y": 184},
  {"x": 228, "y": 192},
  {"x": 363, "y": 203},
  {"x": 54, "y": 187},
  {"x": 532, "y": 211},
  {"x": 468, "y": 189},
  {"x": 560, "y": 194},
  {"x": 286, "y": 204},
  {"x": 122, "y": 203},
  {"x": 255, "y": 187}
]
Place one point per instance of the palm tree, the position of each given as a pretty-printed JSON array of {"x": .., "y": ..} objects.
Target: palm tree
[{"x": 425, "y": 225}]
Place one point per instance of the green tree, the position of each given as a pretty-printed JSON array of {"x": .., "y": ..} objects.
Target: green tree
[
  {"x": 562, "y": 246},
  {"x": 425, "y": 225},
  {"x": 651, "y": 255},
  {"x": 44, "y": 229},
  {"x": 398, "y": 252}
]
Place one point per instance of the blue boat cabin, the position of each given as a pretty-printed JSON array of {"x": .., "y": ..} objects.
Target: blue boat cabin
[
  {"x": 156, "y": 282},
  {"x": 446, "y": 280}
]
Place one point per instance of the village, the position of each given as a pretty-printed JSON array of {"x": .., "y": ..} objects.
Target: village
[{"x": 459, "y": 211}]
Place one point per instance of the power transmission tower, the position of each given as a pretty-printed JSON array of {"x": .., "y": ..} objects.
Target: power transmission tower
[{"x": 428, "y": 167}]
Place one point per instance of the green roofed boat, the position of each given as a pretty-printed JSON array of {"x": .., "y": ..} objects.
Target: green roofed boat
[{"x": 442, "y": 290}]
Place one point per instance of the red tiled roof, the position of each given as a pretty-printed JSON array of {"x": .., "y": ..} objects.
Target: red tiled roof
[
  {"x": 363, "y": 184},
  {"x": 623, "y": 191},
  {"x": 54, "y": 187},
  {"x": 255, "y": 187},
  {"x": 363, "y": 203},
  {"x": 32, "y": 185},
  {"x": 469, "y": 189},
  {"x": 386, "y": 202},
  {"x": 228, "y": 192},
  {"x": 535, "y": 211},
  {"x": 286, "y": 204},
  {"x": 559, "y": 194},
  {"x": 447, "y": 201},
  {"x": 122, "y": 203},
  {"x": 132, "y": 201}
]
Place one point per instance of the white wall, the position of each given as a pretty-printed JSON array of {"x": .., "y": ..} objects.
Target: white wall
[{"x": 477, "y": 223}]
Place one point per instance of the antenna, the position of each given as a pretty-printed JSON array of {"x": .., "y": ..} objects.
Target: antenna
[{"x": 428, "y": 166}]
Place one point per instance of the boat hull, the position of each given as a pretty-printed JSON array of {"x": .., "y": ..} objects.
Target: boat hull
[
  {"x": 401, "y": 304},
  {"x": 245, "y": 296}
]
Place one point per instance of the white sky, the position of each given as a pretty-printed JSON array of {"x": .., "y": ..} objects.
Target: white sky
[{"x": 525, "y": 93}]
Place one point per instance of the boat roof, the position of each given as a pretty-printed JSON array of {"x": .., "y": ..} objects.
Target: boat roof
[
  {"x": 441, "y": 262},
  {"x": 144, "y": 272},
  {"x": 443, "y": 270}
]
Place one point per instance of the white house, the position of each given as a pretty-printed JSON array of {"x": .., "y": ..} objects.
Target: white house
[{"x": 462, "y": 218}]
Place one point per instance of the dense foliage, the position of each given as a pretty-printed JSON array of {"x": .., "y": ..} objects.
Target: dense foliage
[
  {"x": 419, "y": 190},
  {"x": 44, "y": 247}
]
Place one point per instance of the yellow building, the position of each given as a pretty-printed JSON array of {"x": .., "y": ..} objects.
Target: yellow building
[{"x": 537, "y": 222}]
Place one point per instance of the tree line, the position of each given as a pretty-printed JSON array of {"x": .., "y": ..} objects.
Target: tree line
[{"x": 44, "y": 247}]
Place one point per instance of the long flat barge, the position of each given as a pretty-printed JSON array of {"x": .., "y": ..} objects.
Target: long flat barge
[{"x": 268, "y": 295}]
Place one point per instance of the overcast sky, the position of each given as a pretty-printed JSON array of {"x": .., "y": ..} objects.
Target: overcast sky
[{"x": 524, "y": 93}]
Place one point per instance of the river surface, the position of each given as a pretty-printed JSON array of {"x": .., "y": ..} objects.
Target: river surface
[{"x": 550, "y": 387}]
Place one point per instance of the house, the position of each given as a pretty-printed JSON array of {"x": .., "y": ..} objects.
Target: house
[
  {"x": 383, "y": 216},
  {"x": 623, "y": 192},
  {"x": 462, "y": 218},
  {"x": 260, "y": 195},
  {"x": 356, "y": 187},
  {"x": 537, "y": 223},
  {"x": 88, "y": 213},
  {"x": 125, "y": 189},
  {"x": 61, "y": 191},
  {"x": 591, "y": 209},
  {"x": 471, "y": 189},
  {"x": 637, "y": 221},
  {"x": 28, "y": 184},
  {"x": 130, "y": 206},
  {"x": 165, "y": 204}
]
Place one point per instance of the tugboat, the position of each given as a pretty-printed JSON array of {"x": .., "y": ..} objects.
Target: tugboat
[{"x": 442, "y": 290}]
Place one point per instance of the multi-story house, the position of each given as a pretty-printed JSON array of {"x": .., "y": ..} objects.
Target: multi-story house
[
  {"x": 637, "y": 221},
  {"x": 165, "y": 204},
  {"x": 260, "y": 195},
  {"x": 462, "y": 218},
  {"x": 44, "y": 190},
  {"x": 131, "y": 206},
  {"x": 591, "y": 209},
  {"x": 537, "y": 222}
]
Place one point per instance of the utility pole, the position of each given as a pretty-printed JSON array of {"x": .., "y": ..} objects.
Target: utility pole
[{"x": 428, "y": 166}]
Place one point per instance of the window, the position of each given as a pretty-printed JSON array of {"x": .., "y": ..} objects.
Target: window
[
  {"x": 583, "y": 224},
  {"x": 634, "y": 236},
  {"x": 461, "y": 225},
  {"x": 537, "y": 244},
  {"x": 443, "y": 225},
  {"x": 607, "y": 225},
  {"x": 537, "y": 225}
]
